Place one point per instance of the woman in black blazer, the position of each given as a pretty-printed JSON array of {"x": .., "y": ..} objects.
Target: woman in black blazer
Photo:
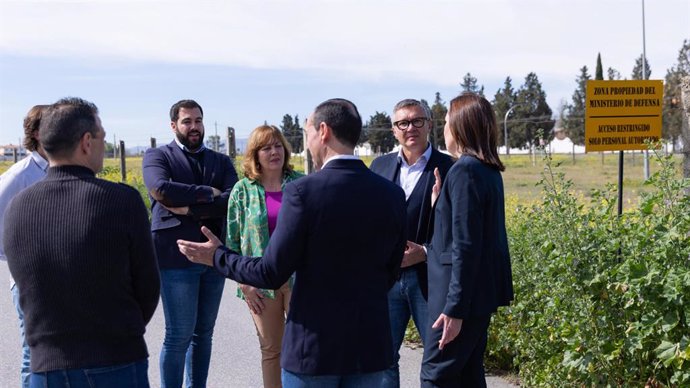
[{"x": 468, "y": 258}]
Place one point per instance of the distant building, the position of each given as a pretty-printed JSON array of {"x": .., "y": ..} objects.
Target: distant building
[
  {"x": 7, "y": 152},
  {"x": 561, "y": 144},
  {"x": 364, "y": 150}
]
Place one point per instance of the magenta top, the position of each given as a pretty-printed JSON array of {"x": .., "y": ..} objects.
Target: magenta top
[{"x": 273, "y": 200}]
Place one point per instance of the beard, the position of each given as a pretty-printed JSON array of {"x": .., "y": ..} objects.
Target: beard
[{"x": 191, "y": 145}]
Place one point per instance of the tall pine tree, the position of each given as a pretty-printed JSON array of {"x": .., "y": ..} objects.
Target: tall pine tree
[
  {"x": 469, "y": 84},
  {"x": 533, "y": 116},
  {"x": 504, "y": 99},
  {"x": 438, "y": 114},
  {"x": 672, "y": 112},
  {"x": 297, "y": 144},
  {"x": 574, "y": 120},
  {"x": 599, "y": 73},
  {"x": 380, "y": 134},
  {"x": 637, "y": 70},
  {"x": 613, "y": 74},
  {"x": 293, "y": 132}
]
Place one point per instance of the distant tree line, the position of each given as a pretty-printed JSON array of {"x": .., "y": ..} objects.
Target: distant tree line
[
  {"x": 531, "y": 119},
  {"x": 572, "y": 114}
]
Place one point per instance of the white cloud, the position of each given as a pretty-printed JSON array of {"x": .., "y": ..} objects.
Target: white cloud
[
  {"x": 432, "y": 41},
  {"x": 376, "y": 42}
]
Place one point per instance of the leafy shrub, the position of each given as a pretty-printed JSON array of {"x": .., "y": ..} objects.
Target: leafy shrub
[{"x": 601, "y": 300}]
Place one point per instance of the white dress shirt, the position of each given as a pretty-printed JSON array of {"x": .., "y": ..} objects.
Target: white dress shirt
[
  {"x": 409, "y": 175},
  {"x": 343, "y": 156}
]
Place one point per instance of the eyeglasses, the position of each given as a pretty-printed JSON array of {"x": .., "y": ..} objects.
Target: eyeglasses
[{"x": 405, "y": 124}]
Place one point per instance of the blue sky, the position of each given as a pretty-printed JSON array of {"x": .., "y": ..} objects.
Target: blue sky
[{"x": 247, "y": 62}]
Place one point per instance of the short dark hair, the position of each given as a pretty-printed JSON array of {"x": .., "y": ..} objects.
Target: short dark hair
[
  {"x": 32, "y": 121},
  {"x": 64, "y": 123},
  {"x": 408, "y": 102},
  {"x": 188, "y": 104},
  {"x": 473, "y": 125},
  {"x": 343, "y": 118}
]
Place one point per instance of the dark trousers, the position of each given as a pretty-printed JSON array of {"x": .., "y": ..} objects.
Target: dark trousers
[
  {"x": 461, "y": 362},
  {"x": 131, "y": 375}
]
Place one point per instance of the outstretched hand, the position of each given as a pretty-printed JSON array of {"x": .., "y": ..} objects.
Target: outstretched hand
[
  {"x": 436, "y": 189},
  {"x": 201, "y": 253},
  {"x": 451, "y": 329}
]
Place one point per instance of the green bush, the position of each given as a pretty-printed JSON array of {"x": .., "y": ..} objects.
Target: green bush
[{"x": 600, "y": 300}]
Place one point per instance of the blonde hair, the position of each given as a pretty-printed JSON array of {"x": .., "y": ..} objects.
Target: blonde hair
[{"x": 259, "y": 138}]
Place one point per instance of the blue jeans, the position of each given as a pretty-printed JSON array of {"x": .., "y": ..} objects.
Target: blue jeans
[
  {"x": 131, "y": 375},
  {"x": 405, "y": 300},
  {"x": 191, "y": 297},
  {"x": 365, "y": 380},
  {"x": 25, "y": 372}
]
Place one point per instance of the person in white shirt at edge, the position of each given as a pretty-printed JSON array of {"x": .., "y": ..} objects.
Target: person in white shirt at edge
[{"x": 18, "y": 177}]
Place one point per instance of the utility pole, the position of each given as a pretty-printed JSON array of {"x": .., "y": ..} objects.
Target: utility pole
[
  {"x": 308, "y": 162},
  {"x": 505, "y": 128},
  {"x": 644, "y": 77},
  {"x": 231, "y": 143},
  {"x": 216, "y": 139}
]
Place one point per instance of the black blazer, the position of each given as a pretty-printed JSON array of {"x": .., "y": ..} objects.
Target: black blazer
[
  {"x": 469, "y": 262},
  {"x": 419, "y": 212},
  {"x": 167, "y": 173},
  {"x": 342, "y": 232}
]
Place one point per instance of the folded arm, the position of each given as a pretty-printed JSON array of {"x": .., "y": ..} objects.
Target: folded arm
[{"x": 199, "y": 201}]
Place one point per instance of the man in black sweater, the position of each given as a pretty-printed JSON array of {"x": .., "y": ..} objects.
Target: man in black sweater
[{"x": 80, "y": 251}]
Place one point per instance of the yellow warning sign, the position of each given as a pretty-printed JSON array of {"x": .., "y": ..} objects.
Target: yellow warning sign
[{"x": 622, "y": 115}]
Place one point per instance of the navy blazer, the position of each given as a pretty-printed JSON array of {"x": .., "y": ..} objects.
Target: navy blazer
[
  {"x": 468, "y": 261},
  {"x": 342, "y": 232},
  {"x": 419, "y": 212},
  {"x": 170, "y": 181}
]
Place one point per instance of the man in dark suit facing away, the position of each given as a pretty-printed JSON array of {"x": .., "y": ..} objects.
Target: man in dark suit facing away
[
  {"x": 342, "y": 232},
  {"x": 411, "y": 168}
]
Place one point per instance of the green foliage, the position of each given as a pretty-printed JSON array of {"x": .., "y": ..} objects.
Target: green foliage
[
  {"x": 613, "y": 74},
  {"x": 293, "y": 132},
  {"x": 673, "y": 118},
  {"x": 637, "y": 70},
  {"x": 601, "y": 300},
  {"x": 531, "y": 115},
  {"x": 469, "y": 84},
  {"x": 574, "y": 120},
  {"x": 599, "y": 73},
  {"x": 379, "y": 132},
  {"x": 438, "y": 113},
  {"x": 504, "y": 99}
]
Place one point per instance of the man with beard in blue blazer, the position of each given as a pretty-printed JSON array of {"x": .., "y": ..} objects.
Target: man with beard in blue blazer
[{"x": 189, "y": 186}]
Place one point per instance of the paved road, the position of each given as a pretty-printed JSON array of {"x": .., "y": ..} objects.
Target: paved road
[{"x": 235, "y": 362}]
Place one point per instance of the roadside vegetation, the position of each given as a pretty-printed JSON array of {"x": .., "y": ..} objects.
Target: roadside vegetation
[{"x": 601, "y": 300}]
